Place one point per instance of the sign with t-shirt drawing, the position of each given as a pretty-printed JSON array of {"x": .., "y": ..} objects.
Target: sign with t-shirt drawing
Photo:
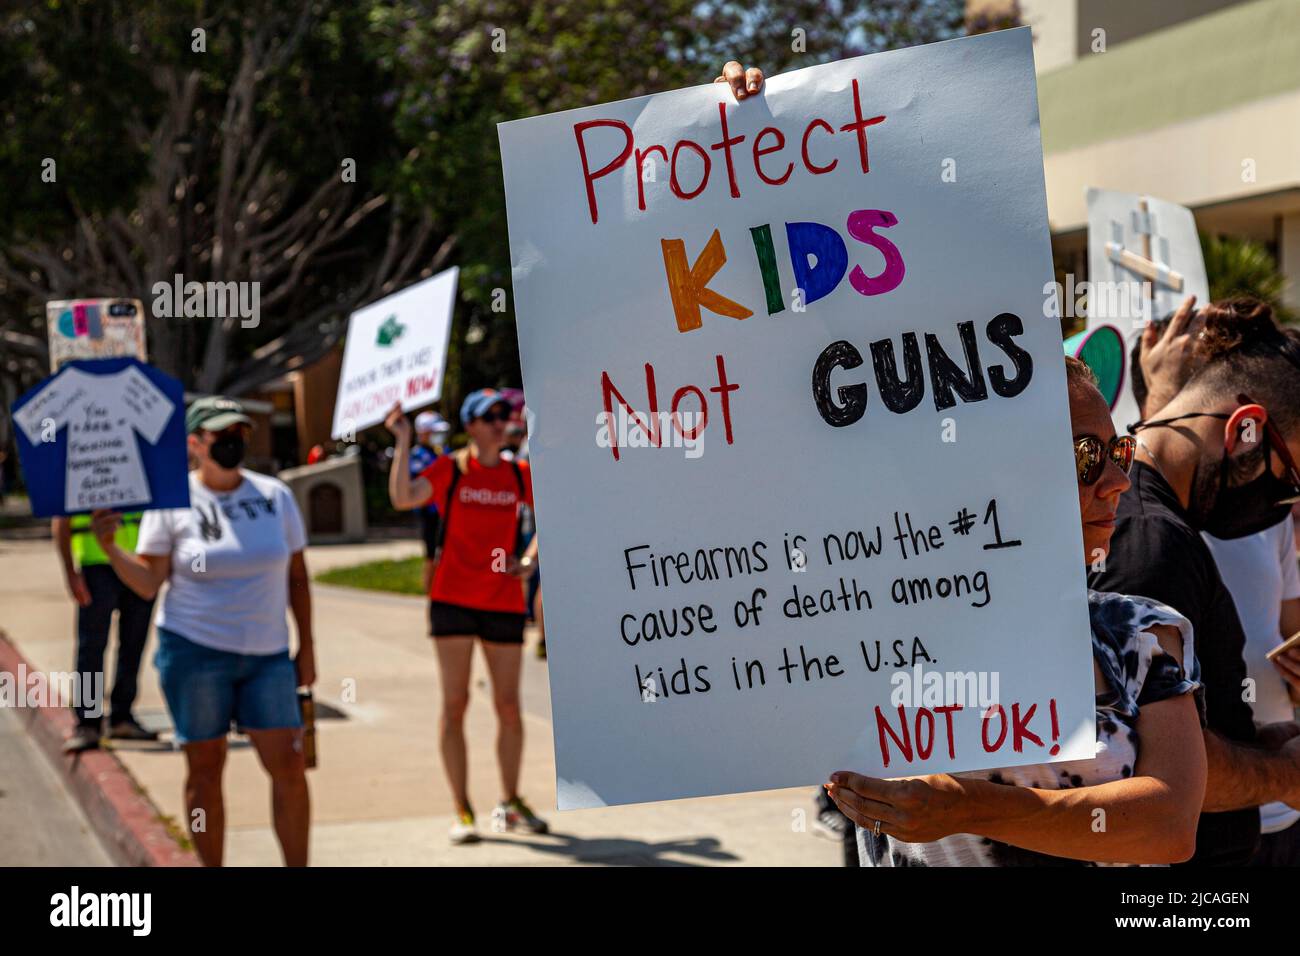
[
  {"x": 103, "y": 433},
  {"x": 396, "y": 351},
  {"x": 805, "y": 495}
]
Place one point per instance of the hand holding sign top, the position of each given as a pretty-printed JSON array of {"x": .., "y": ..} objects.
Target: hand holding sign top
[
  {"x": 742, "y": 81},
  {"x": 398, "y": 424}
]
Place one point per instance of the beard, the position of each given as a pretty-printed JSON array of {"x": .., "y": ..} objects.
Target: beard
[{"x": 1209, "y": 478}]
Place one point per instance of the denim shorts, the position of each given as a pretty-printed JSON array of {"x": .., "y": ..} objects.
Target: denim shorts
[{"x": 207, "y": 690}]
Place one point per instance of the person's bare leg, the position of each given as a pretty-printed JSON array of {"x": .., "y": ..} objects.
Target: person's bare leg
[
  {"x": 280, "y": 752},
  {"x": 455, "y": 655},
  {"x": 204, "y": 762},
  {"x": 504, "y": 662}
]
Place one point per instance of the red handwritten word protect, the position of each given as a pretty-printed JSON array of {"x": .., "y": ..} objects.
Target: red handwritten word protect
[{"x": 630, "y": 150}]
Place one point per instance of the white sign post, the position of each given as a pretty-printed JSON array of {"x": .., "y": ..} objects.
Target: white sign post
[
  {"x": 396, "y": 351},
  {"x": 801, "y": 444},
  {"x": 1144, "y": 259}
]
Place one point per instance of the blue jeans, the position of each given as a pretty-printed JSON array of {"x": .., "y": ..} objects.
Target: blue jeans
[{"x": 207, "y": 690}]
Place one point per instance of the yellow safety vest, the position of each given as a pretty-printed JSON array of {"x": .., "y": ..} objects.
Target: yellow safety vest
[{"x": 87, "y": 550}]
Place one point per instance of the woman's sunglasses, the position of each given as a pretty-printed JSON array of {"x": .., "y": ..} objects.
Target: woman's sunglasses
[
  {"x": 1091, "y": 454},
  {"x": 493, "y": 417}
]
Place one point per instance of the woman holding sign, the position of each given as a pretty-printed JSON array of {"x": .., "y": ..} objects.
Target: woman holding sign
[
  {"x": 477, "y": 591},
  {"x": 1138, "y": 800},
  {"x": 1126, "y": 805},
  {"x": 234, "y": 567}
]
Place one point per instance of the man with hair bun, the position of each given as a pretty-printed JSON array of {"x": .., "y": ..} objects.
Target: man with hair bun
[{"x": 1218, "y": 457}]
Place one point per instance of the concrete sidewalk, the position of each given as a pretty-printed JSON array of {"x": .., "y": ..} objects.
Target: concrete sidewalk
[
  {"x": 378, "y": 795},
  {"x": 40, "y": 822}
]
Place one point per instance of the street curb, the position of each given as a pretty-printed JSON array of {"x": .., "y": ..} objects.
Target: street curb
[{"x": 122, "y": 815}]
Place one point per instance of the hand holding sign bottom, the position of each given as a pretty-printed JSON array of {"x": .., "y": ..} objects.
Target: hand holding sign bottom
[
  {"x": 104, "y": 525},
  {"x": 913, "y": 809}
]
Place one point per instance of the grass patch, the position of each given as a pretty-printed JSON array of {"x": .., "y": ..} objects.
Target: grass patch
[
  {"x": 397, "y": 577},
  {"x": 175, "y": 831}
]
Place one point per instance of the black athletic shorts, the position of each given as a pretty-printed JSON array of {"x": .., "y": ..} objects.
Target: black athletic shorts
[{"x": 500, "y": 627}]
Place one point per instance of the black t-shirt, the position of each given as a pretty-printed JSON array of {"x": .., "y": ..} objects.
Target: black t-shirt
[{"x": 1155, "y": 553}]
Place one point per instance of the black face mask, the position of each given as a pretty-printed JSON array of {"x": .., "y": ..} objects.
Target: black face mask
[
  {"x": 1249, "y": 508},
  {"x": 1246, "y": 509},
  {"x": 227, "y": 450}
]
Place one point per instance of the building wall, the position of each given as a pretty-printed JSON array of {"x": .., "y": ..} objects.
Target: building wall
[
  {"x": 1055, "y": 25},
  {"x": 1205, "y": 112},
  {"x": 1251, "y": 150},
  {"x": 1125, "y": 20},
  {"x": 314, "y": 390},
  {"x": 1196, "y": 101}
]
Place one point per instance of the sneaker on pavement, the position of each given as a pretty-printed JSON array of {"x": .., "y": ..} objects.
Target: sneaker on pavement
[
  {"x": 130, "y": 729},
  {"x": 464, "y": 830},
  {"x": 831, "y": 824},
  {"x": 516, "y": 813},
  {"x": 83, "y": 738}
]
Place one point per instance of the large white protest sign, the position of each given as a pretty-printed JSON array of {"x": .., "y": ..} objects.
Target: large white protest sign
[
  {"x": 396, "y": 351},
  {"x": 837, "y": 462},
  {"x": 1144, "y": 259}
]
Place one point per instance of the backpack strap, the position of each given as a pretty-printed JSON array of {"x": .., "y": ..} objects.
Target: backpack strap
[
  {"x": 460, "y": 465},
  {"x": 519, "y": 517}
]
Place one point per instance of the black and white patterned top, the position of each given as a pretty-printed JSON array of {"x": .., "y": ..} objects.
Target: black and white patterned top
[{"x": 1137, "y": 671}]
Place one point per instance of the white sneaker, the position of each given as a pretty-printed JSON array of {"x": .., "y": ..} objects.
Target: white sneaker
[
  {"x": 517, "y": 814},
  {"x": 464, "y": 830}
]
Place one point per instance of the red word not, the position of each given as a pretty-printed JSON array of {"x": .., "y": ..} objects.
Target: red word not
[
  {"x": 923, "y": 733},
  {"x": 653, "y": 428}
]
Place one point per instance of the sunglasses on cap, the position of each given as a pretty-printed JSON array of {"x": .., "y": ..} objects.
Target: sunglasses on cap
[{"x": 1091, "y": 455}]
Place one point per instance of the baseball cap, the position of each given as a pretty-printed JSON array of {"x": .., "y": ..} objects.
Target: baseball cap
[
  {"x": 476, "y": 403},
  {"x": 431, "y": 422},
  {"x": 215, "y": 413}
]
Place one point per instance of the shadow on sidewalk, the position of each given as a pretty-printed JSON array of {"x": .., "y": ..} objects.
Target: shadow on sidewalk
[{"x": 621, "y": 851}]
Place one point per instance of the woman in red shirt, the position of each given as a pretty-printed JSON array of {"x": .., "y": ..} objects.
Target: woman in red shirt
[{"x": 476, "y": 590}]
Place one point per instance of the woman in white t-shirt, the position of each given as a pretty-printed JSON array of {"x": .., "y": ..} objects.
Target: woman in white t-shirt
[{"x": 233, "y": 563}]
